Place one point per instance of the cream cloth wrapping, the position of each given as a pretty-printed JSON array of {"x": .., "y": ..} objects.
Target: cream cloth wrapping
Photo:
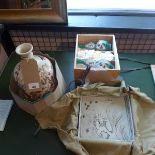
[{"x": 63, "y": 115}]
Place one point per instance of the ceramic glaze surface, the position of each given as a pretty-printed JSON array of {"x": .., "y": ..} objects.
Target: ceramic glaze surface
[
  {"x": 45, "y": 70},
  {"x": 105, "y": 117}
]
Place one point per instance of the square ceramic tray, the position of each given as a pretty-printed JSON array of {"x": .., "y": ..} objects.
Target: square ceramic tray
[{"x": 106, "y": 117}]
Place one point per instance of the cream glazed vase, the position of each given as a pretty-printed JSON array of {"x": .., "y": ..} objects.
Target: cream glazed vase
[{"x": 45, "y": 69}]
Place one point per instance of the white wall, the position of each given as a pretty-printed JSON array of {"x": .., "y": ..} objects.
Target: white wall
[{"x": 3, "y": 58}]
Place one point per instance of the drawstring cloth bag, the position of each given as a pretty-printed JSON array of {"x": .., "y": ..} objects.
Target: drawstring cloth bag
[{"x": 63, "y": 115}]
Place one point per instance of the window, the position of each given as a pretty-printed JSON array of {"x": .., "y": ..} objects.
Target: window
[{"x": 111, "y": 6}]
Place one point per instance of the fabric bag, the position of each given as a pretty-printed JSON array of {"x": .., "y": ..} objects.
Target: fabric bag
[{"x": 63, "y": 115}]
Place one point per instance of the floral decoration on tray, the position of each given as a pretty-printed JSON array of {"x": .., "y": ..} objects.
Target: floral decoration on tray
[
  {"x": 105, "y": 117},
  {"x": 98, "y": 55}
]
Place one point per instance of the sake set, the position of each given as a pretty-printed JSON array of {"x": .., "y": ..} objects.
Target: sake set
[
  {"x": 100, "y": 53},
  {"x": 37, "y": 80}
]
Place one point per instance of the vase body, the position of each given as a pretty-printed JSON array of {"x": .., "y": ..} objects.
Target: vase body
[{"x": 45, "y": 70}]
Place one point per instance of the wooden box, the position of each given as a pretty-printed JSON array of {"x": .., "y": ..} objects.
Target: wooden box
[{"x": 97, "y": 75}]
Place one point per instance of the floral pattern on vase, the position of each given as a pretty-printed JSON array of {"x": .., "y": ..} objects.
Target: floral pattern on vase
[{"x": 45, "y": 70}]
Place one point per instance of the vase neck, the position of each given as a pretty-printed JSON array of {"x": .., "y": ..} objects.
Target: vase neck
[{"x": 25, "y": 50}]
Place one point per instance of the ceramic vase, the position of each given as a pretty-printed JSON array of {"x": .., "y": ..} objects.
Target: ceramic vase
[{"x": 45, "y": 69}]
